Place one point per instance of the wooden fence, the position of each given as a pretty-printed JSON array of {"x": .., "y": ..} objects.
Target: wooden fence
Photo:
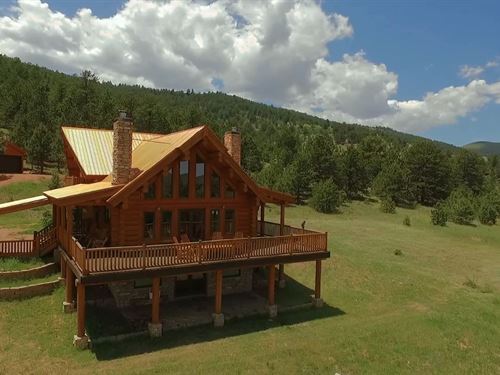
[
  {"x": 42, "y": 242},
  {"x": 120, "y": 258}
]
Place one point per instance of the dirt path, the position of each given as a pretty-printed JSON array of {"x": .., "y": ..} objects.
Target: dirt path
[
  {"x": 7, "y": 179},
  {"x": 13, "y": 234}
]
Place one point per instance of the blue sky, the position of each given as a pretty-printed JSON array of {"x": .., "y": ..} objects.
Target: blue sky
[{"x": 416, "y": 46}]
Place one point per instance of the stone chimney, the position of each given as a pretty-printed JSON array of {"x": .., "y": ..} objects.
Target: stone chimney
[
  {"x": 122, "y": 148},
  {"x": 232, "y": 141}
]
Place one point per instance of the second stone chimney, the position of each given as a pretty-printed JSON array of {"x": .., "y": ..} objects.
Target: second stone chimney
[
  {"x": 232, "y": 141},
  {"x": 122, "y": 148}
]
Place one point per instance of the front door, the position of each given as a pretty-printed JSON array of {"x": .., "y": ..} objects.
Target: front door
[{"x": 192, "y": 223}]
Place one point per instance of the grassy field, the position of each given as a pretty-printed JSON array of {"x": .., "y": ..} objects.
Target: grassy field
[
  {"x": 434, "y": 309},
  {"x": 18, "y": 264},
  {"x": 24, "y": 221}
]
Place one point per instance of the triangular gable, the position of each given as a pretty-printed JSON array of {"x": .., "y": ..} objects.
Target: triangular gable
[
  {"x": 150, "y": 157},
  {"x": 93, "y": 148}
]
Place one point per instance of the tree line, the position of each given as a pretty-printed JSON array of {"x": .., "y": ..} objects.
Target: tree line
[{"x": 314, "y": 159}]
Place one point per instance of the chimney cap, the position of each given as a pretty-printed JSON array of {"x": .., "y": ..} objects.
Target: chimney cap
[{"x": 124, "y": 116}]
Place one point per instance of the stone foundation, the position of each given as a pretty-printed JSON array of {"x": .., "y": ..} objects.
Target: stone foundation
[
  {"x": 218, "y": 320},
  {"x": 232, "y": 284},
  {"x": 317, "y": 302},
  {"x": 273, "y": 311},
  {"x": 81, "y": 343},
  {"x": 155, "y": 329},
  {"x": 126, "y": 294},
  {"x": 68, "y": 307}
]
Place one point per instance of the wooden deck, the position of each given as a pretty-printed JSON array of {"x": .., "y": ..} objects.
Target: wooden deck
[{"x": 143, "y": 257}]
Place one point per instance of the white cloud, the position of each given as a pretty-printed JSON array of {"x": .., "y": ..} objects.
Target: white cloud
[
  {"x": 272, "y": 51},
  {"x": 467, "y": 71}
]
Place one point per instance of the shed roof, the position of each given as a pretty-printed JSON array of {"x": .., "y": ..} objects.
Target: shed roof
[
  {"x": 94, "y": 147},
  {"x": 82, "y": 192}
]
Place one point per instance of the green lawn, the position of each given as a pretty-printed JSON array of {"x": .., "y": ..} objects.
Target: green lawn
[
  {"x": 23, "y": 221},
  {"x": 20, "y": 282},
  {"x": 434, "y": 309},
  {"x": 18, "y": 264}
]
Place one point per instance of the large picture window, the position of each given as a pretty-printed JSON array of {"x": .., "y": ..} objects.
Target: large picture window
[
  {"x": 215, "y": 185},
  {"x": 200, "y": 178},
  {"x": 149, "y": 225},
  {"x": 168, "y": 184},
  {"x": 192, "y": 223},
  {"x": 229, "y": 221},
  {"x": 166, "y": 225},
  {"x": 229, "y": 192},
  {"x": 184, "y": 179},
  {"x": 151, "y": 192},
  {"x": 215, "y": 220}
]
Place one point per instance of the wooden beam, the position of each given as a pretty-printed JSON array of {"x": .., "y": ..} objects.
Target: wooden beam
[
  {"x": 70, "y": 284},
  {"x": 262, "y": 218},
  {"x": 218, "y": 291},
  {"x": 271, "y": 279},
  {"x": 317, "y": 286},
  {"x": 155, "y": 301},
  {"x": 80, "y": 306}
]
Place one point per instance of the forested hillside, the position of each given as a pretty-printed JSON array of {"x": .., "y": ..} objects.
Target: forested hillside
[
  {"x": 484, "y": 148},
  {"x": 284, "y": 149}
]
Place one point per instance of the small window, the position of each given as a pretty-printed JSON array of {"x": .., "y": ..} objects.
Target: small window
[
  {"x": 151, "y": 192},
  {"x": 229, "y": 192},
  {"x": 215, "y": 185},
  {"x": 200, "y": 178},
  {"x": 166, "y": 225},
  {"x": 168, "y": 184},
  {"x": 215, "y": 220},
  {"x": 149, "y": 225},
  {"x": 229, "y": 221},
  {"x": 231, "y": 273},
  {"x": 184, "y": 179}
]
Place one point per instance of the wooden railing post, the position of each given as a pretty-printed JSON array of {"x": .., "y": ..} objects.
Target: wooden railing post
[
  {"x": 36, "y": 246},
  {"x": 144, "y": 256}
]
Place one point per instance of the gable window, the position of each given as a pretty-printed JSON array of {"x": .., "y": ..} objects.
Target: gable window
[
  {"x": 229, "y": 221},
  {"x": 168, "y": 184},
  {"x": 184, "y": 179},
  {"x": 215, "y": 220},
  {"x": 200, "y": 178},
  {"x": 149, "y": 225},
  {"x": 229, "y": 192},
  {"x": 151, "y": 192},
  {"x": 166, "y": 225},
  {"x": 215, "y": 185}
]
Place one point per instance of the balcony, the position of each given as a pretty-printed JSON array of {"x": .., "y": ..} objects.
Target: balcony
[{"x": 295, "y": 245}]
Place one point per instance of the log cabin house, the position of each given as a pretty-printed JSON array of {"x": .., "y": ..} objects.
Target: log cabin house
[{"x": 156, "y": 217}]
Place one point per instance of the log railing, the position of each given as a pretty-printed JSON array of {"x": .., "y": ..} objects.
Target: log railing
[
  {"x": 17, "y": 248},
  {"x": 273, "y": 229},
  {"x": 122, "y": 258},
  {"x": 46, "y": 239}
]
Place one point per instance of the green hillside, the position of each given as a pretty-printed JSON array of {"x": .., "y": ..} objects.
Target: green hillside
[{"x": 484, "y": 148}]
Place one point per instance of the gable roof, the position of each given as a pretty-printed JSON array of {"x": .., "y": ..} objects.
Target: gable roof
[{"x": 93, "y": 148}]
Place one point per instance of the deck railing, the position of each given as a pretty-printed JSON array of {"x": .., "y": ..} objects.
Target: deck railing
[
  {"x": 106, "y": 259},
  {"x": 42, "y": 242}
]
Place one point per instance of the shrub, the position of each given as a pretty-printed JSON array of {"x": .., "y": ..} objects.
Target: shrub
[
  {"x": 439, "y": 216},
  {"x": 398, "y": 252},
  {"x": 487, "y": 212},
  {"x": 326, "y": 197},
  {"x": 407, "y": 221},
  {"x": 460, "y": 206},
  {"x": 388, "y": 206},
  {"x": 55, "y": 181},
  {"x": 46, "y": 219}
]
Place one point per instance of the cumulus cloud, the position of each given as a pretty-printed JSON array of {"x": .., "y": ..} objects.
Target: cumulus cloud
[
  {"x": 467, "y": 71},
  {"x": 272, "y": 51}
]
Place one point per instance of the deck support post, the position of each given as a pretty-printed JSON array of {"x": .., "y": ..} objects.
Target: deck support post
[
  {"x": 262, "y": 218},
  {"x": 218, "y": 316},
  {"x": 69, "y": 301},
  {"x": 80, "y": 340},
  {"x": 62, "y": 265},
  {"x": 282, "y": 219},
  {"x": 155, "y": 327},
  {"x": 271, "y": 291},
  {"x": 317, "y": 301}
]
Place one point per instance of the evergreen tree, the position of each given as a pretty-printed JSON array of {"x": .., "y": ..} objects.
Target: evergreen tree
[{"x": 469, "y": 170}]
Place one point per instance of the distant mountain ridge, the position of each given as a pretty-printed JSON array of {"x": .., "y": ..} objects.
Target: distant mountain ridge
[{"x": 484, "y": 148}]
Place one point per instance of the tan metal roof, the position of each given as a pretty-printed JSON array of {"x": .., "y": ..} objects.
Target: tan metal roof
[
  {"x": 23, "y": 204},
  {"x": 82, "y": 191},
  {"x": 94, "y": 147}
]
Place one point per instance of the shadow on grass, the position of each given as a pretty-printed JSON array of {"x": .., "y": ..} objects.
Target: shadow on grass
[{"x": 206, "y": 333}]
